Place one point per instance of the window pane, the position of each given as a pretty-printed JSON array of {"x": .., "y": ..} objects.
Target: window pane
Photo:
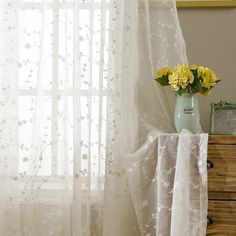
[
  {"x": 65, "y": 55},
  {"x": 34, "y": 136},
  {"x": 65, "y": 136},
  {"x": 32, "y": 42},
  {"x": 84, "y": 143},
  {"x": 84, "y": 45}
]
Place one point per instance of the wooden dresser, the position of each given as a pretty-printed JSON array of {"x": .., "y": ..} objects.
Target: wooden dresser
[{"x": 221, "y": 185}]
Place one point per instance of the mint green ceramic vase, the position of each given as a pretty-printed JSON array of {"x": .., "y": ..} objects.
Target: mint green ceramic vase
[{"x": 187, "y": 113}]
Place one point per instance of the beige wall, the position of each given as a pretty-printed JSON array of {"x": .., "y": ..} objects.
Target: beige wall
[{"x": 210, "y": 36}]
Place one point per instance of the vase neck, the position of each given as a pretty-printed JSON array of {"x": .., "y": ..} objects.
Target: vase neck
[{"x": 187, "y": 95}]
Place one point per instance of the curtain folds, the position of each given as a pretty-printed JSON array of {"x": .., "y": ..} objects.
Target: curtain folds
[
  {"x": 168, "y": 183},
  {"x": 77, "y": 96}
]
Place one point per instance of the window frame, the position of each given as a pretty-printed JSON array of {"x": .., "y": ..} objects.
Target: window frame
[{"x": 55, "y": 91}]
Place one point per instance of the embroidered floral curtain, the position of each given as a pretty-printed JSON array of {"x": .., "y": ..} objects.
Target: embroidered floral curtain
[
  {"x": 168, "y": 184},
  {"x": 76, "y": 96}
]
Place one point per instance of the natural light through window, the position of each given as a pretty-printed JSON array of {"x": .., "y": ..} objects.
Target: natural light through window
[{"x": 53, "y": 92}]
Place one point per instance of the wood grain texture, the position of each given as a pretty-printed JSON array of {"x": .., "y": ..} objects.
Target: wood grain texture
[
  {"x": 222, "y": 139},
  {"x": 222, "y": 177},
  {"x": 223, "y": 214},
  {"x": 222, "y": 195},
  {"x": 222, "y": 185}
]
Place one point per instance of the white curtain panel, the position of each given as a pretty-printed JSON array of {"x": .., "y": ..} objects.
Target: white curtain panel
[
  {"x": 76, "y": 96},
  {"x": 168, "y": 183}
]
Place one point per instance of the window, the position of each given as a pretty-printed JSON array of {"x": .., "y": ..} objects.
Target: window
[{"x": 46, "y": 87}]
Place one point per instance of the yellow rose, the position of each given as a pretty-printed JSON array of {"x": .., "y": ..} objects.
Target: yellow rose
[
  {"x": 181, "y": 77},
  {"x": 208, "y": 76}
]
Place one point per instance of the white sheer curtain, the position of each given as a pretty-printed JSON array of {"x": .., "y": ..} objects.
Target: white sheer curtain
[
  {"x": 160, "y": 44},
  {"x": 168, "y": 183},
  {"x": 76, "y": 95}
]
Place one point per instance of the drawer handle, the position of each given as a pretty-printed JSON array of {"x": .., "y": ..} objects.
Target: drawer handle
[
  {"x": 209, "y": 220},
  {"x": 209, "y": 164}
]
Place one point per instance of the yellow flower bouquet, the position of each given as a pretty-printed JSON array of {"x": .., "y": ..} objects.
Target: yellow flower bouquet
[{"x": 187, "y": 79}]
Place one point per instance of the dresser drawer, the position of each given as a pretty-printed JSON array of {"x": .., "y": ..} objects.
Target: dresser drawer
[
  {"x": 223, "y": 215},
  {"x": 222, "y": 176}
]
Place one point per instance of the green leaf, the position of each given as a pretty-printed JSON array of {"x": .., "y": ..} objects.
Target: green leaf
[
  {"x": 194, "y": 73},
  {"x": 195, "y": 86},
  {"x": 198, "y": 86},
  {"x": 182, "y": 91},
  {"x": 164, "y": 81},
  {"x": 204, "y": 89}
]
